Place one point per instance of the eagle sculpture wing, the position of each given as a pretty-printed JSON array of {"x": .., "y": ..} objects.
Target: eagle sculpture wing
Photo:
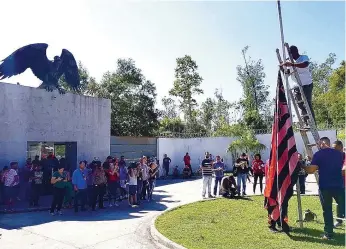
[
  {"x": 31, "y": 56},
  {"x": 69, "y": 68}
]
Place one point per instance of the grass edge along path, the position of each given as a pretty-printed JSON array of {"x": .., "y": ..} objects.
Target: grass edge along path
[{"x": 242, "y": 224}]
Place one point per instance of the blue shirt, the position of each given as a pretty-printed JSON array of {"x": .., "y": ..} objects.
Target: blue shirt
[
  {"x": 79, "y": 178},
  {"x": 219, "y": 173},
  {"x": 329, "y": 162}
]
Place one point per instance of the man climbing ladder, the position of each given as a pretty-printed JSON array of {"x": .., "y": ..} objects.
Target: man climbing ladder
[{"x": 302, "y": 66}]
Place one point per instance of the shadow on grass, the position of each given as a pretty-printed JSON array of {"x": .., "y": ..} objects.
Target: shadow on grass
[{"x": 311, "y": 235}]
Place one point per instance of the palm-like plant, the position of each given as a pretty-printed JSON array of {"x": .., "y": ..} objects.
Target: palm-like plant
[{"x": 245, "y": 142}]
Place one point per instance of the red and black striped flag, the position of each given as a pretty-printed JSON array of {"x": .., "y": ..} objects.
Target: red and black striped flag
[{"x": 282, "y": 172}]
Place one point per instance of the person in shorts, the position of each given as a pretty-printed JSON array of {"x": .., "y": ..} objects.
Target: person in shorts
[{"x": 133, "y": 174}]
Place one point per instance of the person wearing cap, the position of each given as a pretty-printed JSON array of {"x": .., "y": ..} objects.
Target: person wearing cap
[
  {"x": 242, "y": 169},
  {"x": 301, "y": 64},
  {"x": 59, "y": 183}
]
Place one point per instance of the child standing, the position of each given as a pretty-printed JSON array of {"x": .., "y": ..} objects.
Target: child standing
[{"x": 133, "y": 174}]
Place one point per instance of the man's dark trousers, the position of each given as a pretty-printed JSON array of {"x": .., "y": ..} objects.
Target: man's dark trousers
[
  {"x": 326, "y": 197},
  {"x": 217, "y": 183},
  {"x": 81, "y": 195}
]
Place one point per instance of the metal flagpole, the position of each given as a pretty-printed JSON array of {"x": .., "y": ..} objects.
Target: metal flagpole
[{"x": 288, "y": 96}]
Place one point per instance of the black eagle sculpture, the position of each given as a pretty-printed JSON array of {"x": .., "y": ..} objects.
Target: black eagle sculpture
[{"x": 34, "y": 56}]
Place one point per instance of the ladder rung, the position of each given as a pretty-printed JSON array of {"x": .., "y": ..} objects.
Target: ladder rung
[
  {"x": 335, "y": 217},
  {"x": 300, "y": 101},
  {"x": 304, "y": 129},
  {"x": 311, "y": 145}
]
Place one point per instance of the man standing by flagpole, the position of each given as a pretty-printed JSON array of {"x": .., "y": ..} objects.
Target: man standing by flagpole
[{"x": 329, "y": 163}]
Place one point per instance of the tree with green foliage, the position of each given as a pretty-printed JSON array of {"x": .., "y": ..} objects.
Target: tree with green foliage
[
  {"x": 132, "y": 100},
  {"x": 186, "y": 86},
  {"x": 170, "y": 108},
  {"x": 254, "y": 102},
  {"x": 329, "y": 105},
  {"x": 207, "y": 113},
  {"x": 171, "y": 125},
  {"x": 320, "y": 77},
  {"x": 246, "y": 142},
  {"x": 222, "y": 109}
]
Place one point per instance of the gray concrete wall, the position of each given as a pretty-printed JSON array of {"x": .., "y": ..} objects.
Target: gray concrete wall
[
  {"x": 30, "y": 114},
  {"x": 133, "y": 147}
]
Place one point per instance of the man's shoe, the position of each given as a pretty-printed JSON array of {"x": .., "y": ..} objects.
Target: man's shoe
[
  {"x": 211, "y": 196},
  {"x": 338, "y": 224},
  {"x": 273, "y": 230},
  {"x": 326, "y": 237}
]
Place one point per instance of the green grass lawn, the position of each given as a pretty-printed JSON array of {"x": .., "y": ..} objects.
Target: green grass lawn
[{"x": 224, "y": 223}]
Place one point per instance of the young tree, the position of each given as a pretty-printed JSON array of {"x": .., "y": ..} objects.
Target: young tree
[
  {"x": 255, "y": 93},
  {"x": 186, "y": 85},
  {"x": 222, "y": 109},
  {"x": 170, "y": 108},
  {"x": 207, "y": 113}
]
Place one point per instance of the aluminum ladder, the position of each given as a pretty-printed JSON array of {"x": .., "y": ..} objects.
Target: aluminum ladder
[{"x": 300, "y": 99}]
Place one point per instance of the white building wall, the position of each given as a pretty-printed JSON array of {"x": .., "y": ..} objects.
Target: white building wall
[
  {"x": 176, "y": 148},
  {"x": 30, "y": 114}
]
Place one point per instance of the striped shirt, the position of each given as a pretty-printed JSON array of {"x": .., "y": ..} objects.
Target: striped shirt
[{"x": 207, "y": 167}]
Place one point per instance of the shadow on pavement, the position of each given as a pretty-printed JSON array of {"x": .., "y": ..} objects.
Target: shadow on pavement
[
  {"x": 164, "y": 182},
  {"x": 124, "y": 211}
]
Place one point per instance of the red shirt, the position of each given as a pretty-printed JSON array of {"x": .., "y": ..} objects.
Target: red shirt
[
  {"x": 187, "y": 160},
  {"x": 257, "y": 167},
  {"x": 112, "y": 178}
]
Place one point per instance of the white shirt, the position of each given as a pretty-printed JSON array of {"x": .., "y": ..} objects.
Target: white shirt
[
  {"x": 133, "y": 179},
  {"x": 304, "y": 73},
  {"x": 9, "y": 178}
]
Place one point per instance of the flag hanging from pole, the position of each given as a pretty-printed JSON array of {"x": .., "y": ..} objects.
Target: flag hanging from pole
[{"x": 282, "y": 168}]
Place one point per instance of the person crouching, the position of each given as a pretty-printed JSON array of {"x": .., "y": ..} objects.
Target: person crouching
[{"x": 228, "y": 187}]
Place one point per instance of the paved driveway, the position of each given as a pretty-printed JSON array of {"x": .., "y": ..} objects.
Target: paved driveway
[{"x": 120, "y": 227}]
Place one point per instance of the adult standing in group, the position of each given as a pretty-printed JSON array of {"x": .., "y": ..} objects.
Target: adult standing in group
[
  {"x": 258, "y": 172},
  {"x": 10, "y": 179},
  {"x": 166, "y": 162},
  {"x": 241, "y": 170},
  {"x": 113, "y": 182},
  {"x": 145, "y": 177},
  {"x": 302, "y": 174},
  {"x": 301, "y": 64},
  {"x": 219, "y": 168},
  {"x": 99, "y": 187},
  {"x": 207, "y": 172},
  {"x": 187, "y": 161},
  {"x": 80, "y": 186},
  {"x": 329, "y": 163},
  {"x": 58, "y": 181},
  {"x": 337, "y": 145},
  {"x": 123, "y": 174}
]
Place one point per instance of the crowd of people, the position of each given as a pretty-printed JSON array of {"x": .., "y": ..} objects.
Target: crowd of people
[{"x": 88, "y": 185}]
